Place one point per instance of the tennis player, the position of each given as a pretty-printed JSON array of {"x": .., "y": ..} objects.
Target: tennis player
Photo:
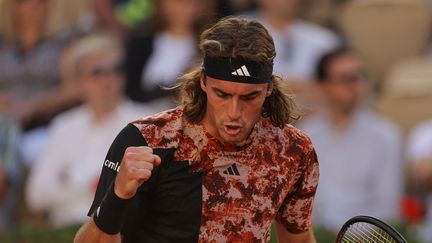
[{"x": 218, "y": 168}]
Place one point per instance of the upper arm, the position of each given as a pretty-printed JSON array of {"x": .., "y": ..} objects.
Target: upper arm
[
  {"x": 295, "y": 212},
  {"x": 284, "y": 236}
]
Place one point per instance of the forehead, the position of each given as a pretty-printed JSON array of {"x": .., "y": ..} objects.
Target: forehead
[
  {"x": 234, "y": 87},
  {"x": 99, "y": 58},
  {"x": 345, "y": 61}
]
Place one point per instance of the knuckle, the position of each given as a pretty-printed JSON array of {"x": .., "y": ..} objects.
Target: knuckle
[
  {"x": 146, "y": 174},
  {"x": 149, "y": 166},
  {"x": 149, "y": 173},
  {"x": 127, "y": 156},
  {"x": 130, "y": 172},
  {"x": 129, "y": 153},
  {"x": 147, "y": 149},
  {"x": 129, "y": 149}
]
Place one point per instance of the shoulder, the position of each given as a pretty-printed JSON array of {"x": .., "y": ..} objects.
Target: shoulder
[
  {"x": 130, "y": 135},
  {"x": 162, "y": 130},
  {"x": 297, "y": 137},
  {"x": 379, "y": 126},
  {"x": 424, "y": 129},
  {"x": 289, "y": 137},
  {"x": 130, "y": 110},
  {"x": 70, "y": 119},
  {"x": 294, "y": 151},
  {"x": 419, "y": 142}
]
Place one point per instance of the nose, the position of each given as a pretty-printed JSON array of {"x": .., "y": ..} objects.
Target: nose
[{"x": 234, "y": 109}]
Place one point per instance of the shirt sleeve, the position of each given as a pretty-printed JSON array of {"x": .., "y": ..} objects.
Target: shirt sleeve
[
  {"x": 129, "y": 136},
  {"x": 296, "y": 210}
]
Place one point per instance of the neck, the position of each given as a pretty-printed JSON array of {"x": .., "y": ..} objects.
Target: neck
[
  {"x": 100, "y": 113},
  {"x": 179, "y": 30},
  {"x": 28, "y": 37},
  {"x": 340, "y": 119}
]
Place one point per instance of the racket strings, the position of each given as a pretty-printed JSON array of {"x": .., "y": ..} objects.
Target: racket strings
[
  {"x": 364, "y": 232},
  {"x": 362, "y": 237}
]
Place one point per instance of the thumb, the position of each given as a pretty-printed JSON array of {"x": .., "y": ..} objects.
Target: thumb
[{"x": 157, "y": 160}]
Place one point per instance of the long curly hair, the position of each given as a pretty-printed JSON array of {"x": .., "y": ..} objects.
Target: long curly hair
[{"x": 248, "y": 39}]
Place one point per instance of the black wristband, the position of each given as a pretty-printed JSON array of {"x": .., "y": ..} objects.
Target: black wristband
[{"x": 110, "y": 214}]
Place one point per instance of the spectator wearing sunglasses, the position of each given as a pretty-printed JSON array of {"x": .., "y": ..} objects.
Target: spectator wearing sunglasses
[
  {"x": 359, "y": 151},
  {"x": 58, "y": 185}
]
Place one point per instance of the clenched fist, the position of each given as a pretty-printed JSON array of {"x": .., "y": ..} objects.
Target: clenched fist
[{"x": 136, "y": 168}]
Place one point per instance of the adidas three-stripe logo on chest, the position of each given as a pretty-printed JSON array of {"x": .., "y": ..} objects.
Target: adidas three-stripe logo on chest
[{"x": 232, "y": 170}]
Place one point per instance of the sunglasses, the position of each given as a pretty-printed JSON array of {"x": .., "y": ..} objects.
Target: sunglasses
[
  {"x": 104, "y": 71},
  {"x": 349, "y": 78}
]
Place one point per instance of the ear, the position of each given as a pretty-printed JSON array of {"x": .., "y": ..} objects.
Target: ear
[
  {"x": 203, "y": 82},
  {"x": 269, "y": 88}
]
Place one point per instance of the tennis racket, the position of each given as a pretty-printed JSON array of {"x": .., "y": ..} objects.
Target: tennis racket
[{"x": 361, "y": 229}]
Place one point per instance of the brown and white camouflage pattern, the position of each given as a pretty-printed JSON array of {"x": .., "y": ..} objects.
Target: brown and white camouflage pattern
[{"x": 278, "y": 176}]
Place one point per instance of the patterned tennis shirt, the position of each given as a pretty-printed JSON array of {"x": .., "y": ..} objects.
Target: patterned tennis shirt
[{"x": 207, "y": 191}]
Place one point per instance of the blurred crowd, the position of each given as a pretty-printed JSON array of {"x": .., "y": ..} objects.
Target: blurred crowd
[{"x": 73, "y": 73}]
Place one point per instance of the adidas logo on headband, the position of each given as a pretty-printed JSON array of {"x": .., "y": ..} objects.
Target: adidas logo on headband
[
  {"x": 238, "y": 69},
  {"x": 242, "y": 71}
]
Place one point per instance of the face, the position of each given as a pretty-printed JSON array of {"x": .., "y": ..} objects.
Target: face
[
  {"x": 30, "y": 11},
  {"x": 181, "y": 12},
  {"x": 280, "y": 8},
  {"x": 101, "y": 80},
  {"x": 345, "y": 84},
  {"x": 232, "y": 108}
]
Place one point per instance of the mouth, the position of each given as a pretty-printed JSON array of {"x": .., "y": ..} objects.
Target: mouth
[{"x": 232, "y": 129}]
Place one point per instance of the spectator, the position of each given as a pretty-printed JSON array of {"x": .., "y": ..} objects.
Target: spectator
[
  {"x": 299, "y": 44},
  {"x": 419, "y": 155},
  {"x": 165, "y": 48},
  {"x": 77, "y": 15},
  {"x": 232, "y": 7},
  {"x": 78, "y": 138},
  {"x": 359, "y": 152},
  {"x": 30, "y": 42},
  {"x": 10, "y": 173},
  {"x": 121, "y": 15}
]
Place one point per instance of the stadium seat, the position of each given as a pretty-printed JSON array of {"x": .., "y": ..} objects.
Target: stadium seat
[{"x": 385, "y": 32}]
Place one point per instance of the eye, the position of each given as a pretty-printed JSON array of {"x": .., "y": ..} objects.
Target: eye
[
  {"x": 222, "y": 94},
  {"x": 249, "y": 97}
]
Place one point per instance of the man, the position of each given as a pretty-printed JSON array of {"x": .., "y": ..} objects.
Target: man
[
  {"x": 419, "y": 158},
  {"x": 10, "y": 172},
  {"x": 79, "y": 138},
  {"x": 221, "y": 166},
  {"x": 299, "y": 44},
  {"x": 359, "y": 151}
]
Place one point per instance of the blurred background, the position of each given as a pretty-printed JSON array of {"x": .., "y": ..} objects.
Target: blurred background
[{"x": 73, "y": 73}]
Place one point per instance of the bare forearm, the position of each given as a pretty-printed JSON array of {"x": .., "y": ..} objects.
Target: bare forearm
[
  {"x": 54, "y": 100},
  {"x": 90, "y": 233}
]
